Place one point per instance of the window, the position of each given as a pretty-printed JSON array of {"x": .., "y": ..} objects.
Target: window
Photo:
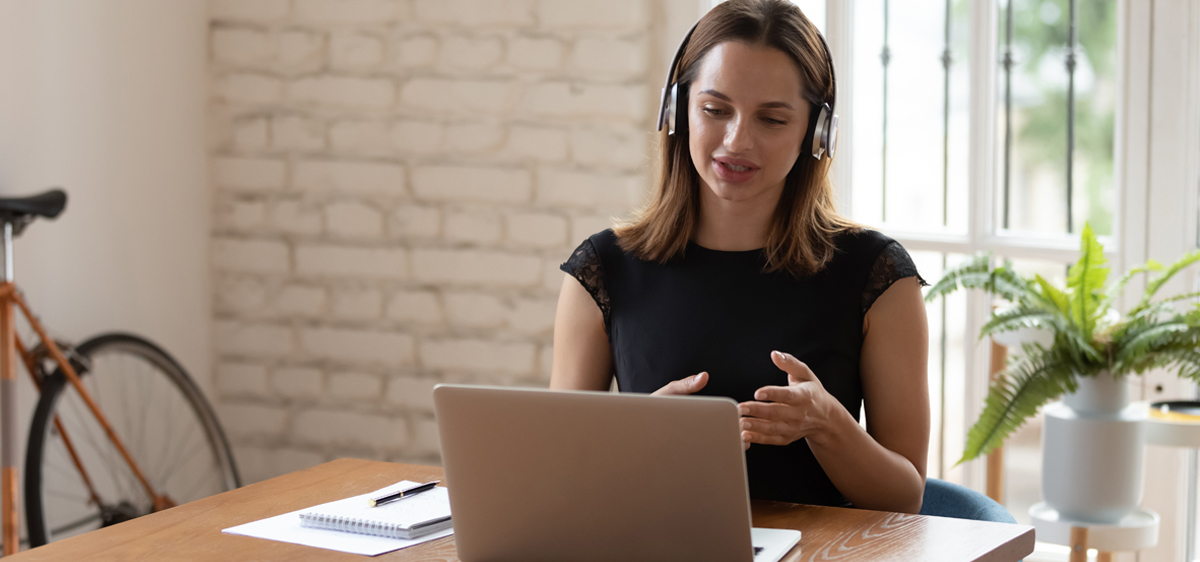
[
  {"x": 1013, "y": 164},
  {"x": 976, "y": 126}
]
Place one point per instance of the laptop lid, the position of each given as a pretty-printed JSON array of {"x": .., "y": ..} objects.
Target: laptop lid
[{"x": 593, "y": 476}]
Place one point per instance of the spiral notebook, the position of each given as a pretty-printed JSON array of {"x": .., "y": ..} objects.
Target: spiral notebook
[{"x": 409, "y": 518}]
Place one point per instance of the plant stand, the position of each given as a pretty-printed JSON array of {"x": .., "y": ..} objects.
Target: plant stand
[
  {"x": 1179, "y": 431},
  {"x": 1135, "y": 531}
]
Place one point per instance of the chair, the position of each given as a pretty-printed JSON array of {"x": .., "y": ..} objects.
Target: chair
[{"x": 944, "y": 499}]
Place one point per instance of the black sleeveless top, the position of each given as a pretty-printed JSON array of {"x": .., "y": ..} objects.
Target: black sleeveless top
[{"x": 719, "y": 312}]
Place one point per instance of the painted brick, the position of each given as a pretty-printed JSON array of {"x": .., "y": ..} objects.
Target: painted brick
[
  {"x": 358, "y": 346},
  {"x": 355, "y": 386},
  {"x": 247, "y": 88},
  {"x": 469, "y": 53},
  {"x": 251, "y": 134},
  {"x": 584, "y": 226},
  {"x": 355, "y": 51},
  {"x": 552, "y": 276},
  {"x": 478, "y": 356},
  {"x": 297, "y": 382},
  {"x": 258, "y": 10},
  {"x": 301, "y": 50},
  {"x": 476, "y": 267},
  {"x": 546, "y": 363},
  {"x": 357, "y": 304},
  {"x": 343, "y": 91},
  {"x": 349, "y": 177},
  {"x": 607, "y": 55},
  {"x": 535, "y": 317},
  {"x": 374, "y": 12},
  {"x": 538, "y": 144},
  {"x": 476, "y": 12},
  {"x": 425, "y": 437},
  {"x": 297, "y": 133},
  {"x": 479, "y": 226},
  {"x": 415, "y": 221},
  {"x": 241, "y": 215},
  {"x": 474, "y": 137},
  {"x": 568, "y": 187},
  {"x": 249, "y": 173},
  {"x": 241, "y": 379},
  {"x": 475, "y": 310},
  {"x": 253, "y": 462},
  {"x": 459, "y": 183},
  {"x": 491, "y": 97},
  {"x": 341, "y": 429},
  {"x": 608, "y": 148},
  {"x": 594, "y": 13},
  {"x": 285, "y": 461},
  {"x": 537, "y": 230},
  {"x": 352, "y": 219},
  {"x": 361, "y": 137},
  {"x": 241, "y": 294},
  {"x": 413, "y": 52},
  {"x": 567, "y": 100},
  {"x": 301, "y": 300},
  {"x": 296, "y": 217},
  {"x": 419, "y": 307},
  {"x": 532, "y": 53},
  {"x": 411, "y": 393},
  {"x": 417, "y": 137},
  {"x": 350, "y": 261},
  {"x": 239, "y": 46},
  {"x": 252, "y": 420},
  {"x": 250, "y": 256},
  {"x": 252, "y": 339}
]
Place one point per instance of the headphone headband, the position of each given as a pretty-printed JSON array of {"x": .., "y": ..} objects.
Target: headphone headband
[{"x": 822, "y": 126}]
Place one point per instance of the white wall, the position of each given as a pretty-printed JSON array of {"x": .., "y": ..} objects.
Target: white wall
[{"x": 107, "y": 98}]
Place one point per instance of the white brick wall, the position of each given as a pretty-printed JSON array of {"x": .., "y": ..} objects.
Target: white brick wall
[{"x": 394, "y": 185}]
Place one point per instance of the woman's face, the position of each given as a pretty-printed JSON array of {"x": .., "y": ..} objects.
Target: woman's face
[{"x": 746, "y": 119}]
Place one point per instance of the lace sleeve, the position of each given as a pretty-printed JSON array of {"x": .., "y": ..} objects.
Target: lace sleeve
[
  {"x": 584, "y": 265},
  {"x": 893, "y": 264}
]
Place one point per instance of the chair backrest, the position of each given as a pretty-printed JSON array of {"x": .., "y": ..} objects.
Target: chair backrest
[{"x": 945, "y": 499}]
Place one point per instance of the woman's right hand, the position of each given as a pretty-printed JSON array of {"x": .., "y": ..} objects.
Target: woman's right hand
[{"x": 684, "y": 386}]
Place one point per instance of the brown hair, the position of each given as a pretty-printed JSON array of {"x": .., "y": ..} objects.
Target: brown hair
[{"x": 801, "y": 236}]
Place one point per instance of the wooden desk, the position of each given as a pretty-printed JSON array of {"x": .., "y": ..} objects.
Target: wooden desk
[{"x": 193, "y": 531}]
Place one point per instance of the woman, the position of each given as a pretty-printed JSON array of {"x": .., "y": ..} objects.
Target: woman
[{"x": 740, "y": 279}]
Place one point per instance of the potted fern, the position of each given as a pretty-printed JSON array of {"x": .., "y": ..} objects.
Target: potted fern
[{"x": 1092, "y": 440}]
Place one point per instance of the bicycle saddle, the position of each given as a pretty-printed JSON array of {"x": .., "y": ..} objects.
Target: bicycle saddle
[{"x": 48, "y": 204}]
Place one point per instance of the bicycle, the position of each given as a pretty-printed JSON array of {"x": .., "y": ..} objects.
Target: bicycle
[{"x": 82, "y": 471}]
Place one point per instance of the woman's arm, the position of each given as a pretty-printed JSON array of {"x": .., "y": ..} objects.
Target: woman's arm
[
  {"x": 582, "y": 359},
  {"x": 882, "y": 467}
]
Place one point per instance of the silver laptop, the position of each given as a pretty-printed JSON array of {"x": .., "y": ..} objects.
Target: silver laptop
[{"x": 540, "y": 475}]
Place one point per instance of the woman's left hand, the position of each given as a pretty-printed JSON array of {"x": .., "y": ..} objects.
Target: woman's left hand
[{"x": 783, "y": 414}]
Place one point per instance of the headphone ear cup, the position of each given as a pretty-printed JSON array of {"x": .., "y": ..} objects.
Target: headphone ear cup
[
  {"x": 678, "y": 108},
  {"x": 822, "y": 131},
  {"x": 806, "y": 146}
]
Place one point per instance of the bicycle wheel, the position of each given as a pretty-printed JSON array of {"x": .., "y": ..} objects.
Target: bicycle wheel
[{"x": 158, "y": 413}]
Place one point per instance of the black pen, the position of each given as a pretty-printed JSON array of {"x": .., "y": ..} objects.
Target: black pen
[{"x": 407, "y": 492}]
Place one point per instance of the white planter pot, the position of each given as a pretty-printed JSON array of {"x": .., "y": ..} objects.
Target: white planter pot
[{"x": 1092, "y": 452}]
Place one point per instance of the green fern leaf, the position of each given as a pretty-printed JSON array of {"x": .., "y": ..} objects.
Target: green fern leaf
[
  {"x": 1155, "y": 284},
  {"x": 1037, "y": 377},
  {"x": 1020, "y": 317},
  {"x": 1086, "y": 280}
]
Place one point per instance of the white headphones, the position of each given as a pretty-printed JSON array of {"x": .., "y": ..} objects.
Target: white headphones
[{"x": 822, "y": 121}]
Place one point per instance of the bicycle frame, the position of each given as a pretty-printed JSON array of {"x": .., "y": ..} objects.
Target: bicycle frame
[{"x": 10, "y": 348}]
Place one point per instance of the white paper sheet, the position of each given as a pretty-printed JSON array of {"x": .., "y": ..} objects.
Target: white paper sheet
[
  {"x": 286, "y": 528},
  {"x": 775, "y": 543}
]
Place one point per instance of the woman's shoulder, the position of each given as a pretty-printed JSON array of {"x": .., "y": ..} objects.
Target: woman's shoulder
[
  {"x": 878, "y": 260},
  {"x": 862, "y": 242}
]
